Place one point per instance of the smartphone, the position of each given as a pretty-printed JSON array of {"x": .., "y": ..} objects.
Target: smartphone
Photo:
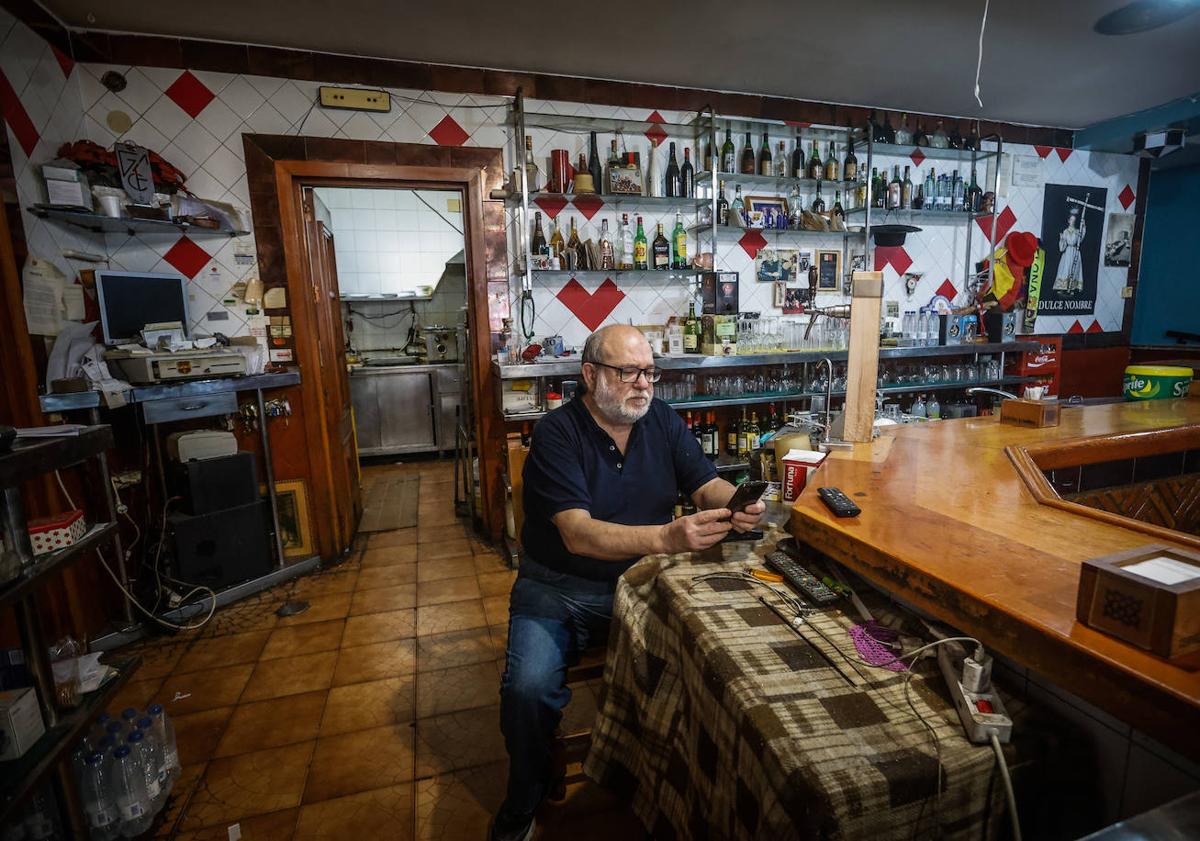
[{"x": 747, "y": 494}]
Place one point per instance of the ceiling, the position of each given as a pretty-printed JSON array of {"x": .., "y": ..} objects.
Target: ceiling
[{"x": 1043, "y": 64}]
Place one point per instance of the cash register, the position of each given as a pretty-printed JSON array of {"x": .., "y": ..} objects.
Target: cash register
[{"x": 144, "y": 317}]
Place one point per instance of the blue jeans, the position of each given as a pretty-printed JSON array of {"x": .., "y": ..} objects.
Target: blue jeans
[{"x": 552, "y": 618}]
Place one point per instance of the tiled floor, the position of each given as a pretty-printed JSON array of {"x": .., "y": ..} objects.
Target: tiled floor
[{"x": 373, "y": 714}]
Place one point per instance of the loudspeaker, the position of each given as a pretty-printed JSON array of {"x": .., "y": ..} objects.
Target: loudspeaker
[
  {"x": 223, "y": 547},
  {"x": 214, "y": 484}
]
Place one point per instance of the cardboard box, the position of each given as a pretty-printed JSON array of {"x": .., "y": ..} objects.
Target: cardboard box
[
  {"x": 49, "y": 534},
  {"x": 797, "y": 466},
  {"x": 20, "y": 722}
]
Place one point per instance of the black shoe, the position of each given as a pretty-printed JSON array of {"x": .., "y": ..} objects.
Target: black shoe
[{"x": 504, "y": 830}]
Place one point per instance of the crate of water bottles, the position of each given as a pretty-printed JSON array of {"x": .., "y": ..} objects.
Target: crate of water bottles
[{"x": 126, "y": 766}]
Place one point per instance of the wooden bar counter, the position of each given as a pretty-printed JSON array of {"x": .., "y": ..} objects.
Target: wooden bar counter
[{"x": 949, "y": 525}]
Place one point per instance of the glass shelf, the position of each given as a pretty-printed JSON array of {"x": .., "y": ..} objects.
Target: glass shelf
[
  {"x": 730, "y": 232},
  {"x": 782, "y": 130},
  {"x": 687, "y": 204},
  {"x": 632, "y": 274},
  {"x": 887, "y": 217},
  {"x": 97, "y": 223},
  {"x": 779, "y": 182},
  {"x": 930, "y": 153},
  {"x": 570, "y": 124}
]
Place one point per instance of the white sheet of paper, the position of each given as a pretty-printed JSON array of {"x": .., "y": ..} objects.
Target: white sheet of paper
[
  {"x": 1164, "y": 570},
  {"x": 43, "y": 305},
  {"x": 1026, "y": 171},
  {"x": 73, "y": 305}
]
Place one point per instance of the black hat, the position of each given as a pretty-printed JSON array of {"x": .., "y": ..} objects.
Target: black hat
[{"x": 891, "y": 235}]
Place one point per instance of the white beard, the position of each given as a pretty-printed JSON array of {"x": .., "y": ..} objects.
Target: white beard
[{"x": 616, "y": 410}]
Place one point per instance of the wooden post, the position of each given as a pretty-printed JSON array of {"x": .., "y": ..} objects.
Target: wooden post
[{"x": 862, "y": 370}]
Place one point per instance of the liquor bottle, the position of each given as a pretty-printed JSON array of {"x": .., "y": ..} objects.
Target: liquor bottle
[
  {"x": 929, "y": 199},
  {"x": 957, "y": 192},
  {"x": 556, "y": 241},
  {"x": 818, "y": 203},
  {"x": 748, "y": 163},
  {"x": 972, "y": 140},
  {"x": 606, "y": 247},
  {"x": 933, "y": 409},
  {"x": 728, "y": 152},
  {"x": 754, "y": 434},
  {"x": 919, "y": 198},
  {"x": 691, "y": 330},
  {"x": 878, "y": 189},
  {"x": 614, "y": 160},
  {"x": 816, "y": 167},
  {"x": 906, "y": 191},
  {"x": 691, "y": 427},
  {"x": 708, "y": 155},
  {"x": 850, "y": 165},
  {"x": 679, "y": 244},
  {"x": 832, "y": 167},
  {"x": 594, "y": 166},
  {"x": 653, "y": 182},
  {"x": 671, "y": 182},
  {"x": 722, "y": 206},
  {"x": 889, "y": 133},
  {"x": 860, "y": 198},
  {"x": 974, "y": 195},
  {"x": 743, "y": 436},
  {"x": 939, "y": 139},
  {"x": 838, "y": 212},
  {"x": 956, "y": 138},
  {"x": 661, "y": 250},
  {"x": 781, "y": 162},
  {"x": 640, "y": 249},
  {"x": 710, "y": 439},
  {"x": 624, "y": 249},
  {"x": 738, "y": 207},
  {"x": 920, "y": 138},
  {"x": 773, "y": 422},
  {"x": 878, "y": 135},
  {"x": 903, "y": 135},
  {"x": 731, "y": 438},
  {"x": 687, "y": 176},
  {"x": 894, "y": 189},
  {"x": 531, "y": 167},
  {"x": 538, "y": 245},
  {"x": 765, "y": 167},
  {"x": 798, "y": 170},
  {"x": 573, "y": 240}
]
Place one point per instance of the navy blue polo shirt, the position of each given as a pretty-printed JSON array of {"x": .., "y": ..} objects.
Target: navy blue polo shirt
[{"x": 573, "y": 463}]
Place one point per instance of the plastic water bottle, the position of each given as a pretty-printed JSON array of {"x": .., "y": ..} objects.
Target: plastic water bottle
[
  {"x": 158, "y": 760},
  {"x": 98, "y": 730},
  {"x": 934, "y": 409},
  {"x": 142, "y": 751},
  {"x": 95, "y": 791},
  {"x": 116, "y": 730},
  {"x": 164, "y": 728},
  {"x": 129, "y": 793},
  {"x": 129, "y": 717}
]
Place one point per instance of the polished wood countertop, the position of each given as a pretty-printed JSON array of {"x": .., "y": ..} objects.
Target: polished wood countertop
[{"x": 949, "y": 525}]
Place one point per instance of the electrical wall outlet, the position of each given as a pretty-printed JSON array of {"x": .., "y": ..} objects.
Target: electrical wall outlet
[
  {"x": 1126, "y": 291},
  {"x": 356, "y": 99}
]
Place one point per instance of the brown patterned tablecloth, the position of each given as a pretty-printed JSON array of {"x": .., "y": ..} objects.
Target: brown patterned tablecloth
[{"x": 720, "y": 723}]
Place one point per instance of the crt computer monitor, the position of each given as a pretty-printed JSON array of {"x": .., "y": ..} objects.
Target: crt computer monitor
[{"x": 131, "y": 300}]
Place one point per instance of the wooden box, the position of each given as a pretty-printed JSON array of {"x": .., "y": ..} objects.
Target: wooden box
[
  {"x": 1032, "y": 413},
  {"x": 1149, "y": 597}
]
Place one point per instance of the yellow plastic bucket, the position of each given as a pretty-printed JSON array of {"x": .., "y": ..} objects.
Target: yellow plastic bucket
[{"x": 1156, "y": 382}]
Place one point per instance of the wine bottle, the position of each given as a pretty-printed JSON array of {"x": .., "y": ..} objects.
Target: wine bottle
[
  {"x": 594, "y": 166},
  {"x": 691, "y": 330},
  {"x": 661, "y": 250},
  {"x": 753, "y": 436},
  {"x": 748, "y": 163},
  {"x": 731, "y": 438},
  {"x": 708, "y": 155},
  {"x": 816, "y": 167},
  {"x": 556, "y": 241},
  {"x": 832, "y": 168},
  {"x": 679, "y": 244},
  {"x": 712, "y": 447},
  {"x": 906, "y": 191},
  {"x": 722, "y": 207},
  {"x": 877, "y": 133},
  {"x": 573, "y": 240},
  {"x": 738, "y": 208},
  {"x": 850, "y": 165},
  {"x": 781, "y": 162},
  {"x": 687, "y": 177},
  {"x": 640, "y": 249},
  {"x": 538, "y": 245},
  {"x": 743, "y": 436},
  {"x": 728, "y": 152},
  {"x": 920, "y": 138},
  {"x": 894, "y": 190},
  {"x": 889, "y": 133},
  {"x": 606, "y": 248},
  {"x": 974, "y": 194},
  {"x": 838, "y": 212},
  {"x": 818, "y": 203},
  {"x": 624, "y": 256},
  {"x": 671, "y": 182},
  {"x": 878, "y": 189},
  {"x": 798, "y": 170},
  {"x": 531, "y": 167},
  {"x": 764, "y": 158}
]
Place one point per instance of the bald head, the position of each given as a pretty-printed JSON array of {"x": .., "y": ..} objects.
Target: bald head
[
  {"x": 608, "y": 349},
  {"x": 618, "y": 344}
]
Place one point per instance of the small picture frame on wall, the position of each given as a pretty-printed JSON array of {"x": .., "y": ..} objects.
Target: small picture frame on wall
[
  {"x": 779, "y": 294},
  {"x": 793, "y": 300},
  {"x": 829, "y": 270},
  {"x": 295, "y": 532},
  {"x": 772, "y": 264}
]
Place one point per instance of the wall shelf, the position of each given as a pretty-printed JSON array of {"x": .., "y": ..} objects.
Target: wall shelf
[
  {"x": 51, "y": 562},
  {"x": 781, "y": 235},
  {"x": 98, "y": 223},
  {"x": 781, "y": 182},
  {"x": 684, "y": 204}
]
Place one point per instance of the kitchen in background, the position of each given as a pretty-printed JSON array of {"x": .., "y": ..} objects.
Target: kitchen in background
[{"x": 402, "y": 278}]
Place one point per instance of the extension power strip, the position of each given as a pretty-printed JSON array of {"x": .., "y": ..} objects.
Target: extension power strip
[{"x": 982, "y": 712}]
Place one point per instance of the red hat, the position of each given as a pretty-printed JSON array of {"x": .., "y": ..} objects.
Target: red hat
[{"x": 1021, "y": 246}]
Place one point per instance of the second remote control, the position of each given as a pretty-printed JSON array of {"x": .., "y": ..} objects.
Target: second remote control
[{"x": 838, "y": 502}]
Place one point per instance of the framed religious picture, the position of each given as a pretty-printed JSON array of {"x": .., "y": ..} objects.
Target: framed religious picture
[
  {"x": 294, "y": 530},
  {"x": 793, "y": 300},
  {"x": 1118, "y": 245},
  {"x": 829, "y": 270},
  {"x": 774, "y": 204},
  {"x": 1072, "y": 226},
  {"x": 772, "y": 264}
]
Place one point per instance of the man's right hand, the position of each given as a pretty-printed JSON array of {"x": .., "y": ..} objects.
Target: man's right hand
[{"x": 696, "y": 532}]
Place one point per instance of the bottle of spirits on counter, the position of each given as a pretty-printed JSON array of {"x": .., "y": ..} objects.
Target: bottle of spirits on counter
[
  {"x": 798, "y": 170},
  {"x": 974, "y": 194},
  {"x": 614, "y": 159},
  {"x": 731, "y": 438},
  {"x": 832, "y": 167},
  {"x": 708, "y": 439},
  {"x": 752, "y": 435},
  {"x": 749, "y": 165},
  {"x": 773, "y": 422},
  {"x": 671, "y": 182},
  {"x": 894, "y": 190},
  {"x": 722, "y": 206},
  {"x": 687, "y": 176},
  {"x": 606, "y": 248},
  {"x": 594, "y": 166},
  {"x": 764, "y": 158},
  {"x": 781, "y": 162},
  {"x": 738, "y": 207},
  {"x": 708, "y": 155},
  {"x": 691, "y": 330},
  {"x": 679, "y": 258},
  {"x": 920, "y": 138},
  {"x": 537, "y": 244},
  {"x": 850, "y": 165},
  {"x": 906, "y": 191},
  {"x": 904, "y": 135},
  {"x": 743, "y": 436},
  {"x": 556, "y": 241},
  {"x": 573, "y": 240},
  {"x": 653, "y": 182},
  {"x": 624, "y": 245},
  {"x": 929, "y": 193},
  {"x": 878, "y": 189},
  {"x": 838, "y": 212},
  {"x": 939, "y": 139},
  {"x": 531, "y": 167},
  {"x": 818, "y": 203},
  {"x": 816, "y": 167},
  {"x": 860, "y": 198},
  {"x": 728, "y": 152},
  {"x": 641, "y": 251},
  {"x": 661, "y": 250}
]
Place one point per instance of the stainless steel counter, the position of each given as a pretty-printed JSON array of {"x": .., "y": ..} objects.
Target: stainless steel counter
[
  {"x": 162, "y": 391},
  {"x": 424, "y": 368}
]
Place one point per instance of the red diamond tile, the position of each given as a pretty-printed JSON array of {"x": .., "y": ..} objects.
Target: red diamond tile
[
  {"x": 550, "y": 205},
  {"x": 1044, "y": 151},
  {"x": 1126, "y": 197},
  {"x": 1063, "y": 153},
  {"x": 893, "y": 254},
  {"x": 1095, "y": 328},
  {"x": 1076, "y": 327},
  {"x": 16, "y": 116},
  {"x": 448, "y": 132},
  {"x": 591, "y": 308},
  {"x": 655, "y": 117},
  {"x": 752, "y": 242},
  {"x": 190, "y": 94},
  {"x": 797, "y": 123},
  {"x": 588, "y": 205},
  {"x": 64, "y": 61},
  {"x": 948, "y": 290},
  {"x": 917, "y": 157},
  {"x": 187, "y": 257},
  {"x": 1004, "y": 223},
  {"x": 656, "y": 135}
]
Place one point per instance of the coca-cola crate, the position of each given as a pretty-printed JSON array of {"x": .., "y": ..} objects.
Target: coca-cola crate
[{"x": 1042, "y": 360}]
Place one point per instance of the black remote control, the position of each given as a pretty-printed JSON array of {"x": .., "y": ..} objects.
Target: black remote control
[
  {"x": 838, "y": 502},
  {"x": 801, "y": 579}
]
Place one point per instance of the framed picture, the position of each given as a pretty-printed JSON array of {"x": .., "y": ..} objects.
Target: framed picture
[
  {"x": 793, "y": 300},
  {"x": 829, "y": 270},
  {"x": 779, "y": 296},
  {"x": 1118, "y": 248},
  {"x": 772, "y": 264},
  {"x": 774, "y": 204},
  {"x": 294, "y": 530},
  {"x": 805, "y": 259}
]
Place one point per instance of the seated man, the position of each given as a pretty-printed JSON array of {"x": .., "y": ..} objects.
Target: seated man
[{"x": 601, "y": 482}]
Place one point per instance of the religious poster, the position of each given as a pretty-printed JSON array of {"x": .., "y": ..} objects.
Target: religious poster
[
  {"x": 1118, "y": 245},
  {"x": 1072, "y": 227}
]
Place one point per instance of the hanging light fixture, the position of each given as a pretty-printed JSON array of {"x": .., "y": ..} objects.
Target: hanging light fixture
[{"x": 1144, "y": 15}]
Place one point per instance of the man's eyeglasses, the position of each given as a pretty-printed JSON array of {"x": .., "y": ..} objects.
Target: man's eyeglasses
[{"x": 630, "y": 374}]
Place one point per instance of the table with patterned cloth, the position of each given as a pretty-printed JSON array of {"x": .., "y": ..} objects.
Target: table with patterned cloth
[{"x": 719, "y": 722}]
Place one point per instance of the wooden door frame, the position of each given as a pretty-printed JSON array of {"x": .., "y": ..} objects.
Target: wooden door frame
[{"x": 290, "y": 177}]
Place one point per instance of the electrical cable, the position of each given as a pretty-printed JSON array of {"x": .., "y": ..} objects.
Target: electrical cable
[
  {"x": 1008, "y": 788},
  {"x": 979, "y": 60}
]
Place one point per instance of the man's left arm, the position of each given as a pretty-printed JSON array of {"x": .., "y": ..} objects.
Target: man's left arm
[
  {"x": 698, "y": 479},
  {"x": 716, "y": 493}
]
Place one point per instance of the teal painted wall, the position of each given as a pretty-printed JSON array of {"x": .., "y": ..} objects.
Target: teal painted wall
[{"x": 1168, "y": 291}]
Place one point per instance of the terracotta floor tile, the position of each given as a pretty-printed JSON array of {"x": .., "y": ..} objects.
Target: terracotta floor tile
[
  {"x": 339, "y": 581},
  {"x": 580, "y": 713},
  {"x": 249, "y": 784},
  {"x": 321, "y": 608},
  {"x": 303, "y": 639},
  {"x": 159, "y": 656},
  {"x": 375, "y": 661},
  {"x": 255, "y": 613},
  {"x": 197, "y": 734},
  {"x": 378, "y": 627},
  {"x": 360, "y": 761},
  {"x": 496, "y": 608},
  {"x": 435, "y": 569},
  {"x": 222, "y": 651},
  {"x": 459, "y": 806},
  {"x": 137, "y": 693},
  {"x": 271, "y": 724},
  {"x": 490, "y": 562},
  {"x": 497, "y": 583},
  {"x": 459, "y": 740},
  {"x": 276, "y": 826},
  {"x": 386, "y": 539},
  {"x": 444, "y": 549},
  {"x": 457, "y": 648},
  {"x": 382, "y": 599},
  {"x": 387, "y": 576},
  {"x": 459, "y": 688},
  {"x": 589, "y": 813},
  {"x": 499, "y": 640},
  {"x": 455, "y": 616},
  {"x": 438, "y": 534},
  {"x": 361, "y": 706},
  {"x": 290, "y": 676},
  {"x": 389, "y": 556},
  {"x": 382, "y": 813},
  {"x": 205, "y": 690},
  {"x": 181, "y": 794},
  {"x": 444, "y": 590}
]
